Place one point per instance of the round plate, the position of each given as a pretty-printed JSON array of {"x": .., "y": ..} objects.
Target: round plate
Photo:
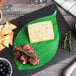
[{"x": 45, "y": 50}]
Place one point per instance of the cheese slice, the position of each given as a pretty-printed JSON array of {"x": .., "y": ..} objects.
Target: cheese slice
[
  {"x": 1, "y": 47},
  {"x": 41, "y": 31}
]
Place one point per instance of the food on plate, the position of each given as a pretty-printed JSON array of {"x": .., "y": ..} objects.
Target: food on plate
[
  {"x": 33, "y": 62},
  {"x": 1, "y": 47},
  {"x": 6, "y": 41},
  {"x": 1, "y": 26},
  {"x": 6, "y": 35},
  {"x": 68, "y": 41},
  {"x": 26, "y": 54},
  {"x": 11, "y": 34},
  {"x": 5, "y": 30},
  {"x": 40, "y": 31},
  {"x": 10, "y": 26},
  {"x": 1, "y": 36},
  {"x": 5, "y": 68},
  {"x": 24, "y": 59},
  {"x": 27, "y": 47}
]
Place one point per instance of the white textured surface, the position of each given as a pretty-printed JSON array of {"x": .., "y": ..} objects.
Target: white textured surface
[
  {"x": 59, "y": 1},
  {"x": 73, "y": 10},
  {"x": 68, "y": 4}
]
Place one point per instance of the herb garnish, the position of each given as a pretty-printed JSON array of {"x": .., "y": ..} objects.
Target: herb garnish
[
  {"x": 68, "y": 41},
  {"x": 26, "y": 53}
]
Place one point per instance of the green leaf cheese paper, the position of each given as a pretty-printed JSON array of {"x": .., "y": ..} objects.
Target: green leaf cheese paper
[{"x": 45, "y": 50}]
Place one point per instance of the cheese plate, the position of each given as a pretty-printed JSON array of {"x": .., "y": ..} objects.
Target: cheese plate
[{"x": 45, "y": 50}]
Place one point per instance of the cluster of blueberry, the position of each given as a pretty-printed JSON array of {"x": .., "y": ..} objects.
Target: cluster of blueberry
[{"x": 5, "y": 69}]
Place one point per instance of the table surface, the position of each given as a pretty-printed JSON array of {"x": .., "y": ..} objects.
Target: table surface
[{"x": 14, "y": 8}]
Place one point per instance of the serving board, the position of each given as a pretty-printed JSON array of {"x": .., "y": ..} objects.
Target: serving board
[{"x": 61, "y": 53}]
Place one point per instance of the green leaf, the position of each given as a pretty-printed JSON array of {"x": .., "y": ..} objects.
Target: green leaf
[{"x": 45, "y": 50}]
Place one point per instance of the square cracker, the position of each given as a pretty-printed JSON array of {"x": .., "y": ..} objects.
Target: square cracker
[
  {"x": 6, "y": 41},
  {"x": 5, "y": 30},
  {"x": 11, "y": 38},
  {"x": 10, "y": 26},
  {"x": 41, "y": 31},
  {"x": 1, "y": 47},
  {"x": 1, "y": 26}
]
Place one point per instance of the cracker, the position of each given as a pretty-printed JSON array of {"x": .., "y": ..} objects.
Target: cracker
[
  {"x": 11, "y": 38},
  {"x": 10, "y": 26},
  {"x": 6, "y": 40},
  {"x": 1, "y": 36},
  {"x": 1, "y": 47},
  {"x": 5, "y": 30},
  {"x": 1, "y": 40},
  {"x": 1, "y": 26}
]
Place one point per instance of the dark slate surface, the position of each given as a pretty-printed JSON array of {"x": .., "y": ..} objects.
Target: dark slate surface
[{"x": 60, "y": 55}]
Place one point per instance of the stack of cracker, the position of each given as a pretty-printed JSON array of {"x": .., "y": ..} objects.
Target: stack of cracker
[{"x": 6, "y": 35}]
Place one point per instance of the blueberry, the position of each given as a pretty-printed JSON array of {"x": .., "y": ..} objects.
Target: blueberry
[
  {"x": 3, "y": 73},
  {"x": 9, "y": 69},
  {"x": 1, "y": 70},
  {"x": 1, "y": 65},
  {"x": 4, "y": 62},
  {"x": 7, "y": 74},
  {"x": 7, "y": 64},
  {"x": 4, "y": 67}
]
